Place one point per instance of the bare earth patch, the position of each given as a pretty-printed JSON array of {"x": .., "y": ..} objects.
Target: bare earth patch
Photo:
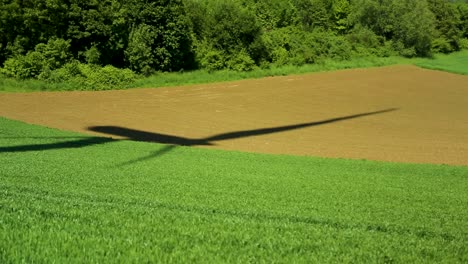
[{"x": 397, "y": 113}]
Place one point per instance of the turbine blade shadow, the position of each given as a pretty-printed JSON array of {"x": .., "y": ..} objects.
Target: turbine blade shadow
[
  {"x": 271, "y": 130},
  {"x": 155, "y": 154},
  {"x": 45, "y": 137},
  {"x": 139, "y": 135},
  {"x": 173, "y": 141},
  {"x": 86, "y": 142}
]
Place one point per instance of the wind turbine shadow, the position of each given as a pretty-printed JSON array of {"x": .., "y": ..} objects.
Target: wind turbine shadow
[{"x": 173, "y": 141}]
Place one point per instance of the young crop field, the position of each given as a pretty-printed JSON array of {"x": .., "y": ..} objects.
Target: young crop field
[
  {"x": 362, "y": 165},
  {"x": 67, "y": 197}
]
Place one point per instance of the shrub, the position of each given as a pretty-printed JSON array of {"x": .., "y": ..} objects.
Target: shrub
[
  {"x": 386, "y": 50},
  {"x": 45, "y": 57},
  {"x": 213, "y": 60},
  {"x": 139, "y": 51},
  {"x": 240, "y": 62},
  {"x": 68, "y": 72},
  {"x": 228, "y": 37},
  {"x": 364, "y": 41},
  {"x": 232, "y": 28},
  {"x": 24, "y": 66},
  {"x": 280, "y": 56},
  {"x": 91, "y": 77},
  {"x": 56, "y": 53},
  {"x": 464, "y": 43},
  {"x": 442, "y": 45},
  {"x": 107, "y": 77},
  {"x": 296, "y": 47},
  {"x": 400, "y": 48},
  {"x": 339, "y": 48},
  {"x": 415, "y": 29},
  {"x": 92, "y": 55},
  {"x": 410, "y": 25}
]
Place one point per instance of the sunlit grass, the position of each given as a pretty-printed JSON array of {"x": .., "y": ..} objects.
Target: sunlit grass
[
  {"x": 455, "y": 62},
  {"x": 66, "y": 197}
]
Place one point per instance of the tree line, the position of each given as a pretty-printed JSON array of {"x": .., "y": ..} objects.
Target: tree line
[{"x": 59, "y": 39}]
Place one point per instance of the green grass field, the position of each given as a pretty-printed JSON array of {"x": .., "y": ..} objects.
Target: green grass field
[
  {"x": 455, "y": 63},
  {"x": 67, "y": 197}
]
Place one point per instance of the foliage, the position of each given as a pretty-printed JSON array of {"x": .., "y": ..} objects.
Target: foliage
[
  {"x": 92, "y": 55},
  {"x": 415, "y": 29},
  {"x": 154, "y": 36},
  {"x": 24, "y": 66},
  {"x": 454, "y": 62},
  {"x": 463, "y": 11},
  {"x": 340, "y": 10},
  {"x": 210, "y": 58},
  {"x": 294, "y": 46},
  {"x": 161, "y": 41},
  {"x": 273, "y": 14},
  {"x": 312, "y": 14},
  {"x": 409, "y": 25},
  {"x": 232, "y": 28},
  {"x": 199, "y": 76},
  {"x": 56, "y": 52},
  {"x": 103, "y": 27},
  {"x": 91, "y": 77},
  {"x": 442, "y": 45},
  {"x": 365, "y": 42},
  {"x": 45, "y": 57},
  {"x": 464, "y": 43},
  {"x": 447, "y": 22},
  {"x": 139, "y": 51},
  {"x": 240, "y": 62}
]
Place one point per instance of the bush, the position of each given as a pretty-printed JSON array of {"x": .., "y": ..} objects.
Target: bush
[
  {"x": 68, "y": 72},
  {"x": 415, "y": 29},
  {"x": 213, "y": 60},
  {"x": 464, "y": 43},
  {"x": 139, "y": 51},
  {"x": 106, "y": 78},
  {"x": 339, "y": 49},
  {"x": 410, "y": 25},
  {"x": 441, "y": 45},
  {"x": 296, "y": 47},
  {"x": 280, "y": 56},
  {"x": 228, "y": 37},
  {"x": 91, "y": 77},
  {"x": 93, "y": 55},
  {"x": 364, "y": 42},
  {"x": 400, "y": 48},
  {"x": 26, "y": 66},
  {"x": 56, "y": 53},
  {"x": 241, "y": 62},
  {"x": 232, "y": 28},
  {"x": 44, "y": 58},
  {"x": 386, "y": 50}
]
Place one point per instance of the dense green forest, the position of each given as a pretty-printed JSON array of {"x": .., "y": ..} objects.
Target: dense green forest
[{"x": 56, "y": 40}]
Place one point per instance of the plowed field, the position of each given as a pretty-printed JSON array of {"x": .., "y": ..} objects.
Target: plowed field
[{"x": 397, "y": 113}]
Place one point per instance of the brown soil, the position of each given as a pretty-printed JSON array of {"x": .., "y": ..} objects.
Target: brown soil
[{"x": 397, "y": 113}]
